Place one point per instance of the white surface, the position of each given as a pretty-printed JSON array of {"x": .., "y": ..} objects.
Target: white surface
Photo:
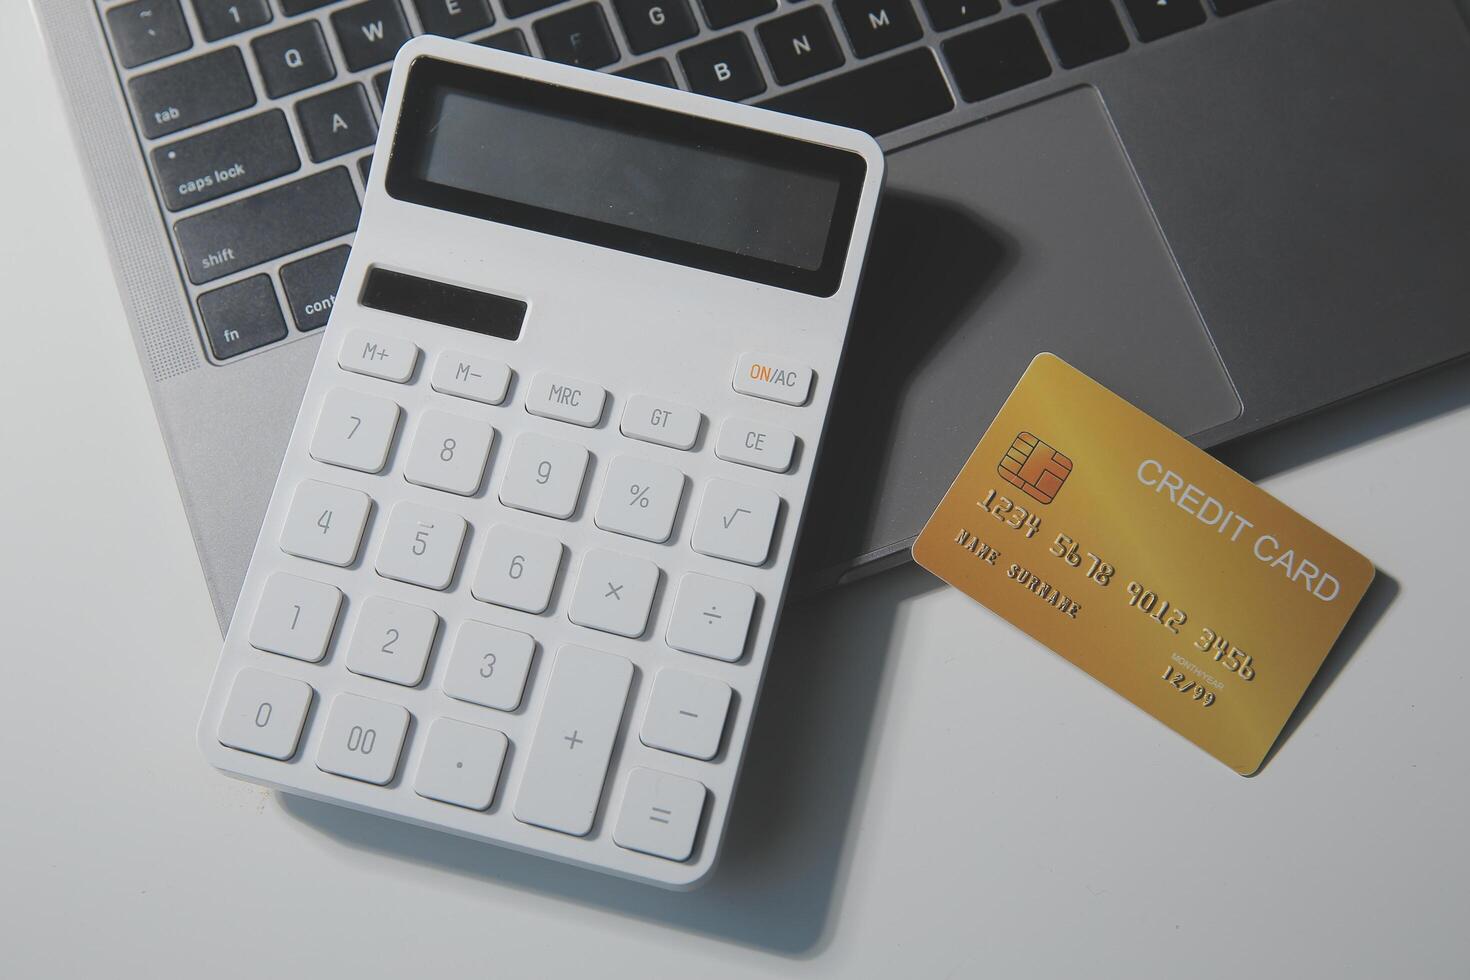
[{"x": 927, "y": 792}]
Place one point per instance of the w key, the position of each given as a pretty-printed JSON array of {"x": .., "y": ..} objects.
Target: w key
[{"x": 370, "y": 33}]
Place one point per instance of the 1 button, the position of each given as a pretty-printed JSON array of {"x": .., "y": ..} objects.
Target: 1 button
[
  {"x": 640, "y": 499},
  {"x": 711, "y": 617},
  {"x": 553, "y": 396},
  {"x": 470, "y": 376},
  {"x": 756, "y": 444},
  {"x": 661, "y": 423},
  {"x": 544, "y": 476},
  {"x": 660, "y": 814},
  {"x": 325, "y": 523},
  {"x": 391, "y": 641},
  {"x": 488, "y": 666},
  {"x": 362, "y": 739},
  {"x": 449, "y": 453},
  {"x": 686, "y": 714},
  {"x": 354, "y": 430},
  {"x": 421, "y": 545},
  {"x": 773, "y": 378},
  {"x": 614, "y": 593},
  {"x": 295, "y": 617},
  {"x": 736, "y": 522},
  {"x": 264, "y": 714},
  {"x": 378, "y": 356},
  {"x": 518, "y": 569},
  {"x": 461, "y": 764}
]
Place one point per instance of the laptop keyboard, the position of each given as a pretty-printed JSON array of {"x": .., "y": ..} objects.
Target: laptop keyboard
[{"x": 256, "y": 116}]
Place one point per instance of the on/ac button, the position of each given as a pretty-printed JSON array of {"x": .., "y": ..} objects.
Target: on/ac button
[{"x": 774, "y": 378}]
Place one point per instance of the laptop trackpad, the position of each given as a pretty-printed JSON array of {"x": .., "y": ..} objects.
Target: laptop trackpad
[{"x": 1027, "y": 232}]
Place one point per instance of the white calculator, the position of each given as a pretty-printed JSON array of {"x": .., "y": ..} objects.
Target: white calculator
[{"x": 526, "y": 553}]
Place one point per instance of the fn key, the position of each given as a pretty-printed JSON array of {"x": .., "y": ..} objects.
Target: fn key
[{"x": 241, "y": 316}]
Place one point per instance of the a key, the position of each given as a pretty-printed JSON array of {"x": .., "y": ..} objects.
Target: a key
[
  {"x": 362, "y": 739},
  {"x": 421, "y": 545},
  {"x": 1083, "y": 30},
  {"x": 1160, "y": 18},
  {"x": 996, "y": 58},
  {"x": 723, "y": 13},
  {"x": 454, "y": 18},
  {"x": 877, "y": 98},
  {"x": 751, "y": 443},
  {"x": 513, "y": 40},
  {"x": 293, "y": 59},
  {"x": 449, "y": 453},
  {"x": 336, "y": 122},
  {"x": 655, "y": 71},
  {"x": 224, "y": 160},
  {"x": 471, "y": 376},
  {"x": 241, "y": 316},
  {"x": 724, "y": 68},
  {"x": 191, "y": 92},
  {"x": 614, "y": 593},
  {"x": 267, "y": 225},
  {"x": 354, "y": 430},
  {"x": 651, "y": 24},
  {"x": 736, "y": 522},
  {"x": 311, "y": 286},
  {"x": 579, "y": 36},
  {"x": 265, "y": 713},
  {"x": 391, "y": 640},
  {"x": 488, "y": 665},
  {"x": 370, "y": 33},
  {"x": 686, "y": 714},
  {"x": 773, "y": 378},
  {"x": 875, "y": 26},
  {"x": 147, "y": 30},
  {"x": 556, "y": 396},
  {"x": 661, "y": 422},
  {"x": 660, "y": 814},
  {"x": 325, "y": 523},
  {"x": 567, "y": 761},
  {"x": 945, "y": 14},
  {"x": 800, "y": 45},
  {"x": 296, "y": 617},
  {"x": 379, "y": 356},
  {"x": 517, "y": 569},
  {"x": 224, "y": 18},
  {"x": 640, "y": 499},
  {"x": 461, "y": 764},
  {"x": 711, "y": 617},
  {"x": 544, "y": 476}
]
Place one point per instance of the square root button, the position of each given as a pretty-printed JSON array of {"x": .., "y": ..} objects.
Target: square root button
[{"x": 660, "y": 814}]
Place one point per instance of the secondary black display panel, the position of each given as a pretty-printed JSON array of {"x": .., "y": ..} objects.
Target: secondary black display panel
[
  {"x": 440, "y": 302},
  {"x": 736, "y": 201}
]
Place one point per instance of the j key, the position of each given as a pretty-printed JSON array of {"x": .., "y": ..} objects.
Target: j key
[
  {"x": 241, "y": 316},
  {"x": 311, "y": 286},
  {"x": 877, "y": 98},
  {"x": 191, "y": 92},
  {"x": 370, "y": 33},
  {"x": 875, "y": 26},
  {"x": 293, "y": 59},
  {"x": 724, "y": 67},
  {"x": 652, "y": 24},
  {"x": 224, "y": 160},
  {"x": 267, "y": 225},
  {"x": 654, "y": 70},
  {"x": 944, "y": 14},
  {"x": 513, "y": 40},
  {"x": 723, "y": 13},
  {"x": 223, "y": 18},
  {"x": 1083, "y": 30},
  {"x": 1159, "y": 18},
  {"x": 336, "y": 122},
  {"x": 800, "y": 45},
  {"x": 996, "y": 58},
  {"x": 147, "y": 30},
  {"x": 454, "y": 18},
  {"x": 579, "y": 37}
]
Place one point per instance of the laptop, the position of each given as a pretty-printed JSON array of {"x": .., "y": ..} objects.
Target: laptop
[{"x": 1231, "y": 212}]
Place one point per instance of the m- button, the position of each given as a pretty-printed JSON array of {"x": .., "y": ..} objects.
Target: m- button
[
  {"x": 774, "y": 378},
  {"x": 554, "y": 396}
]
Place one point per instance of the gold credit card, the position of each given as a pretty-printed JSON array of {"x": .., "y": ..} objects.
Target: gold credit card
[{"x": 1146, "y": 562}]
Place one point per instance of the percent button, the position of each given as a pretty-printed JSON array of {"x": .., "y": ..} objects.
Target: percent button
[{"x": 640, "y": 499}]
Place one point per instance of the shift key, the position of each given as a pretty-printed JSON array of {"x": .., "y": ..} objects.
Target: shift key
[
  {"x": 224, "y": 160},
  {"x": 267, "y": 225}
]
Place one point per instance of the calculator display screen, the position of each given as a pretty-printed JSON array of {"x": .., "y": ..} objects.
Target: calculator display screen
[{"x": 639, "y": 179}]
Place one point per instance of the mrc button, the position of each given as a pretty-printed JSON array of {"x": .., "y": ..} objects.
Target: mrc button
[
  {"x": 775, "y": 378},
  {"x": 554, "y": 396}
]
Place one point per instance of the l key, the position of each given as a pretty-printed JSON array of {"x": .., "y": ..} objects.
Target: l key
[{"x": 573, "y": 741}]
